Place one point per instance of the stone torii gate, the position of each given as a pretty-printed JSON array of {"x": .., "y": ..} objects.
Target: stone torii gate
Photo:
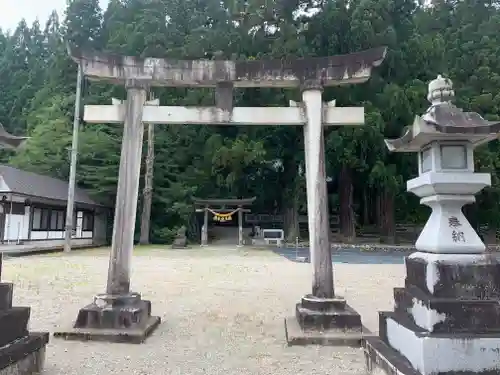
[{"x": 121, "y": 313}]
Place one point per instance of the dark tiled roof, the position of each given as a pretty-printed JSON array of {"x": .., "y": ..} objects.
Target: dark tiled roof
[{"x": 35, "y": 185}]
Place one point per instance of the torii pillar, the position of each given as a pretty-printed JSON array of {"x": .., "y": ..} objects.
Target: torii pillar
[
  {"x": 120, "y": 315},
  {"x": 322, "y": 317},
  {"x": 318, "y": 311}
]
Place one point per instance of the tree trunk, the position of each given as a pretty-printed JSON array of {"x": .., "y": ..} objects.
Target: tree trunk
[
  {"x": 366, "y": 207},
  {"x": 491, "y": 235},
  {"x": 347, "y": 218},
  {"x": 194, "y": 231},
  {"x": 378, "y": 211},
  {"x": 148, "y": 189},
  {"x": 289, "y": 202},
  {"x": 387, "y": 222},
  {"x": 291, "y": 219}
]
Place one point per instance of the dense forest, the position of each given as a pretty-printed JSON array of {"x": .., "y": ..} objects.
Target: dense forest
[{"x": 457, "y": 38}]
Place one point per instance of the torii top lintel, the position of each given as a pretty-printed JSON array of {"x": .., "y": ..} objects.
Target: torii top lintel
[
  {"x": 327, "y": 71},
  {"x": 228, "y": 201}
]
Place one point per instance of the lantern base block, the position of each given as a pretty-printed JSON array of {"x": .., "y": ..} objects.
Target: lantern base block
[{"x": 445, "y": 320}]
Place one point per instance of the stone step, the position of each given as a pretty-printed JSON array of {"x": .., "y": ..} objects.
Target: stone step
[
  {"x": 295, "y": 335},
  {"x": 474, "y": 276},
  {"x": 382, "y": 359},
  {"x": 6, "y": 290},
  {"x": 335, "y": 317},
  {"x": 447, "y": 315},
  {"x": 24, "y": 356},
  {"x": 13, "y": 324}
]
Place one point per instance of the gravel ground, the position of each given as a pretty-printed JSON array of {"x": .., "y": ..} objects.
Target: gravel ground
[{"x": 222, "y": 311}]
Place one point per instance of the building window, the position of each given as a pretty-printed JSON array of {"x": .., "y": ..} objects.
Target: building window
[
  {"x": 15, "y": 208},
  {"x": 41, "y": 219},
  {"x": 57, "y": 220},
  {"x": 48, "y": 219},
  {"x": 44, "y": 219},
  {"x": 88, "y": 222},
  {"x": 61, "y": 220},
  {"x": 37, "y": 215}
]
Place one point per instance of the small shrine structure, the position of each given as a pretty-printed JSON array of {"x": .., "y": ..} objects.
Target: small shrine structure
[
  {"x": 446, "y": 318},
  {"x": 222, "y": 210}
]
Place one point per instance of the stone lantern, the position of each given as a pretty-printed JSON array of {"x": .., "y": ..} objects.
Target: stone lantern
[{"x": 446, "y": 319}]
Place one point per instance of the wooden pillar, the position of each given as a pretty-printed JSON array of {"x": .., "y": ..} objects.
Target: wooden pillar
[
  {"x": 30, "y": 221},
  {"x": 204, "y": 232},
  {"x": 240, "y": 226},
  {"x": 317, "y": 198},
  {"x": 127, "y": 191}
]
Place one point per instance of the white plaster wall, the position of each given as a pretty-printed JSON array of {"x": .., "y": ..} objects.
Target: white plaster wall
[
  {"x": 431, "y": 355},
  {"x": 13, "y": 227},
  {"x": 16, "y": 226},
  {"x": 46, "y": 235},
  {"x": 3, "y": 185}
]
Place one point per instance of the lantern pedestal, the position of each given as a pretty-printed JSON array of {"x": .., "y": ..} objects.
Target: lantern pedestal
[
  {"x": 446, "y": 319},
  {"x": 447, "y": 230}
]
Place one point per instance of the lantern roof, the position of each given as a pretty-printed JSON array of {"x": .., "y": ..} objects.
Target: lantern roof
[{"x": 443, "y": 121}]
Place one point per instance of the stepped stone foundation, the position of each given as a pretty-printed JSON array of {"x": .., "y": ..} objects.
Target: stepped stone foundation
[{"x": 21, "y": 352}]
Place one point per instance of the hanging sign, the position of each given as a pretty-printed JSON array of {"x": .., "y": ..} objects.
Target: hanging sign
[{"x": 222, "y": 218}]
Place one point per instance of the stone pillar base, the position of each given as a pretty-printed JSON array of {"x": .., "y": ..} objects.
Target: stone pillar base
[
  {"x": 446, "y": 319},
  {"x": 25, "y": 356},
  {"x": 112, "y": 318},
  {"x": 179, "y": 245},
  {"x": 320, "y": 321},
  {"x": 21, "y": 352}
]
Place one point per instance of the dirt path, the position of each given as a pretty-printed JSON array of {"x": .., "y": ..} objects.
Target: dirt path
[{"x": 222, "y": 311}]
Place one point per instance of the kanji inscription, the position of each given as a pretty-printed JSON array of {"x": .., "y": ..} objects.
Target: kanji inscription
[{"x": 456, "y": 235}]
